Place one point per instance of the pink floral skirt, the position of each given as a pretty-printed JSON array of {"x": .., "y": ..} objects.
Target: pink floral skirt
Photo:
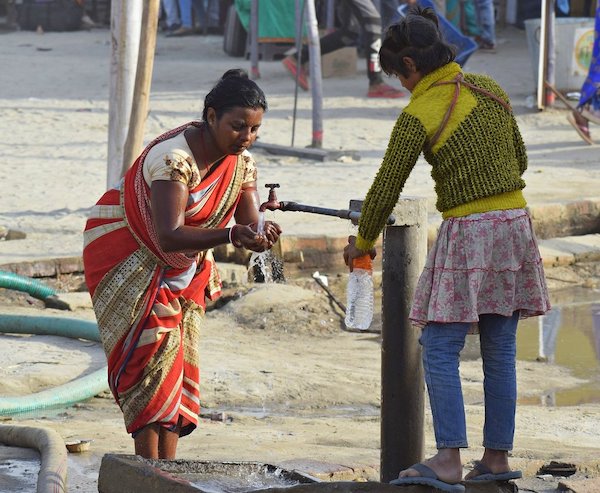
[{"x": 482, "y": 263}]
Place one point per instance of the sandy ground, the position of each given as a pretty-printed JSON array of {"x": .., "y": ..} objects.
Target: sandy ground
[
  {"x": 54, "y": 120},
  {"x": 295, "y": 387}
]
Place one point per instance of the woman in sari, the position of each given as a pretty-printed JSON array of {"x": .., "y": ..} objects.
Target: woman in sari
[
  {"x": 588, "y": 108},
  {"x": 148, "y": 263}
]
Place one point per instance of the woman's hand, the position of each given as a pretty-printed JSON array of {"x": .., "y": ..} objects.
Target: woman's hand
[
  {"x": 271, "y": 232},
  {"x": 257, "y": 242},
  {"x": 351, "y": 252}
]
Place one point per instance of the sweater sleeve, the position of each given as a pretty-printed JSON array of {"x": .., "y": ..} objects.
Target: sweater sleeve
[
  {"x": 520, "y": 150},
  {"x": 404, "y": 147}
]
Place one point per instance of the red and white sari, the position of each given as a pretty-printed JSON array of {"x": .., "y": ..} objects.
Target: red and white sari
[{"x": 149, "y": 303}]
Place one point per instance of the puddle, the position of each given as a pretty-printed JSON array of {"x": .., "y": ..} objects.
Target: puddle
[
  {"x": 568, "y": 336},
  {"x": 18, "y": 474}
]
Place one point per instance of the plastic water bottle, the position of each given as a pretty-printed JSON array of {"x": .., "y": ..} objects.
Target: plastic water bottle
[{"x": 359, "y": 304}]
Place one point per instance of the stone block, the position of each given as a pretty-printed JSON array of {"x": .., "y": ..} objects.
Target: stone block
[{"x": 339, "y": 63}]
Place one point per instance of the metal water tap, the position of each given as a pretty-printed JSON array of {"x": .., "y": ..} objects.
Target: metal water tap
[{"x": 272, "y": 203}]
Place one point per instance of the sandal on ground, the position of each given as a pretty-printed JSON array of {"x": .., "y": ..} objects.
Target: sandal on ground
[
  {"x": 591, "y": 116},
  {"x": 486, "y": 474},
  {"x": 583, "y": 131},
  {"x": 428, "y": 477},
  {"x": 291, "y": 65},
  {"x": 383, "y": 90}
]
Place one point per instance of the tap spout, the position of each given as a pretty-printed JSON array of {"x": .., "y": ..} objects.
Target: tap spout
[{"x": 272, "y": 203}]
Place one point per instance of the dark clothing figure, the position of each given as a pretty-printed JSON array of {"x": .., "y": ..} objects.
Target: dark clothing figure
[{"x": 352, "y": 16}]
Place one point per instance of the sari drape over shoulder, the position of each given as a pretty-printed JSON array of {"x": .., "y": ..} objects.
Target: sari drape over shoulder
[{"x": 148, "y": 302}]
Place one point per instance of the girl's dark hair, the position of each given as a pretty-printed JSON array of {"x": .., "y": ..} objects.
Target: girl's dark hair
[
  {"x": 416, "y": 36},
  {"x": 234, "y": 90}
]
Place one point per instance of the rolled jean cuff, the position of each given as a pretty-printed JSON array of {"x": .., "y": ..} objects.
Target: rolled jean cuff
[
  {"x": 497, "y": 446},
  {"x": 454, "y": 444}
]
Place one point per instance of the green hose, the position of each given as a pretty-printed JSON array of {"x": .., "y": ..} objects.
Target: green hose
[
  {"x": 10, "y": 280},
  {"x": 16, "y": 282},
  {"x": 64, "y": 395}
]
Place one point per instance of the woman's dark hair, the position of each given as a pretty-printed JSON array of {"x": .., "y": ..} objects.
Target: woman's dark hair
[
  {"x": 416, "y": 36},
  {"x": 234, "y": 90}
]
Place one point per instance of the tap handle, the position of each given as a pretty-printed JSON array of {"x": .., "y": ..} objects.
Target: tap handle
[{"x": 272, "y": 187}]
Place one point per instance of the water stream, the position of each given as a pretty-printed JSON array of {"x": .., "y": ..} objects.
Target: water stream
[
  {"x": 265, "y": 267},
  {"x": 229, "y": 482}
]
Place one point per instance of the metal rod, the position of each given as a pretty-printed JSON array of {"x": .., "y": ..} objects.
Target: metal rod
[
  {"x": 254, "y": 35},
  {"x": 340, "y": 305}
]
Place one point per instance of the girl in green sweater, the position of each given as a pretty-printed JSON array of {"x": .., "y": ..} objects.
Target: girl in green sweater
[{"x": 484, "y": 272}]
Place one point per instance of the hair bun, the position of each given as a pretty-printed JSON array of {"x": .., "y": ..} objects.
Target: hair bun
[
  {"x": 430, "y": 14},
  {"x": 235, "y": 72}
]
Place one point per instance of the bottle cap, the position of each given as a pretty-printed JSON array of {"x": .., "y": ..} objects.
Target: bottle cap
[{"x": 365, "y": 262}]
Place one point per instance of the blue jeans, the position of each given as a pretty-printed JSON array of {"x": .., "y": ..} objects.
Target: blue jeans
[
  {"x": 171, "y": 9},
  {"x": 207, "y": 13},
  {"x": 442, "y": 344},
  {"x": 486, "y": 19}
]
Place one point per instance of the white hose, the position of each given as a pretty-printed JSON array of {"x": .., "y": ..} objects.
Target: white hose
[{"x": 52, "y": 477}]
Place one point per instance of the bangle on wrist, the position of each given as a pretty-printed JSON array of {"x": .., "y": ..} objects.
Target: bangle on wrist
[{"x": 232, "y": 240}]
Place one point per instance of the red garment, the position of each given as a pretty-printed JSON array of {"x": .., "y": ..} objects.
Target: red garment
[{"x": 147, "y": 301}]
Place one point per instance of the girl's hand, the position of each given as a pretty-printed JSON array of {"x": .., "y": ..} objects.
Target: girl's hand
[{"x": 351, "y": 252}]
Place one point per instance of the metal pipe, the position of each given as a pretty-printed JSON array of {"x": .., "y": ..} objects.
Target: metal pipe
[
  {"x": 314, "y": 58},
  {"x": 341, "y": 213},
  {"x": 254, "y": 35},
  {"x": 402, "y": 398}
]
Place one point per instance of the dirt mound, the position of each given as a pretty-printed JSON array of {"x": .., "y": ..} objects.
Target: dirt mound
[{"x": 285, "y": 308}]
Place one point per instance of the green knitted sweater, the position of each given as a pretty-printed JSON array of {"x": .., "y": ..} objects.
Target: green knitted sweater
[{"x": 480, "y": 153}]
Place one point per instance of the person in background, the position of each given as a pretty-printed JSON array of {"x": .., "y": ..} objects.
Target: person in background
[
  {"x": 463, "y": 15},
  {"x": 388, "y": 10},
  {"x": 486, "y": 20},
  {"x": 172, "y": 21},
  {"x": 148, "y": 261},
  {"x": 352, "y": 15},
  {"x": 204, "y": 13},
  {"x": 588, "y": 108},
  {"x": 484, "y": 271}
]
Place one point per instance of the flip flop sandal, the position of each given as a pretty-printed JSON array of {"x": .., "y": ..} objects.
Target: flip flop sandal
[
  {"x": 428, "y": 477},
  {"x": 593, "y": 117},
  {"x": 292, "y": 67},
  {"x": 486, "y": 474},
  {"x": 583, "y": 132}
]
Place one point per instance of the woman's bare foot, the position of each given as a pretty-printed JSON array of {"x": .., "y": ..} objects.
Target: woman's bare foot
[
  {"x": 446, "y": 464},
  {"x": 494, "y": 460}
]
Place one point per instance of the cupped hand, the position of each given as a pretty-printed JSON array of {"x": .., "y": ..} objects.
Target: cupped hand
[
  {"x": 271, "y": 231},
  {"x": 258, "y": 242},
  {"x": 351, "y": 252}
]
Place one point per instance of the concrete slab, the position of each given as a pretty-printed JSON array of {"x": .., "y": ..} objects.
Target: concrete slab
[
  {"x": 130, "y": 474},
  {"x": 570, "y": 249}
]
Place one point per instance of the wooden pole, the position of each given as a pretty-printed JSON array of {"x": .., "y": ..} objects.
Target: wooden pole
[
  {"x": 125, "y": 25},
  {"x": 402, "y": 384},
  {"x": 143, "y": 81}
]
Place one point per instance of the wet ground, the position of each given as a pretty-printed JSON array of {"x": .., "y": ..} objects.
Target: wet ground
[{"x": 567, "y": 337}]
